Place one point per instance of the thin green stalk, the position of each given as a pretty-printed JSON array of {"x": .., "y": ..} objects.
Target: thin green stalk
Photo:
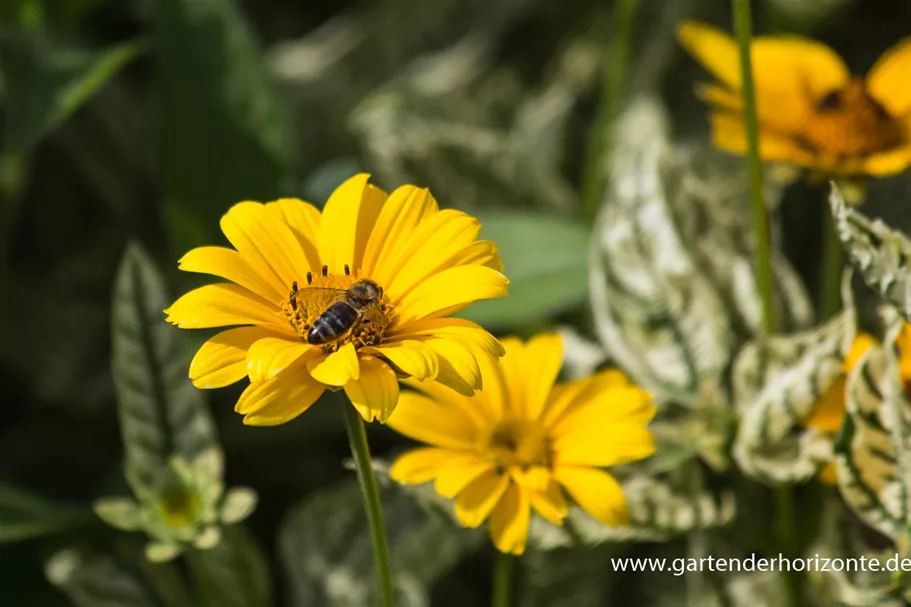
[
  {"x": 357, "y": 438},
  {"x": 743, "y": 30},
  {"x": 832, "y": 264},
  {"x": 613, "y": 82},
  {"x": 502, "y": 580}
]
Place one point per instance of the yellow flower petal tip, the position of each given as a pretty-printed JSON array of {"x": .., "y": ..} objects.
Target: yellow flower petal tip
[
  {"x": 812, "y": 112},
  {"x": 525, "y": 442},
  {"x": 322, "y": 293}
]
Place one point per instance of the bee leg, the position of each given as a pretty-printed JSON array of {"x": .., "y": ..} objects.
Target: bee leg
[
  {"x": 325, "y": 270},
  {"x": 309, "y": 278},
  {"x": 347, "y": 270}
]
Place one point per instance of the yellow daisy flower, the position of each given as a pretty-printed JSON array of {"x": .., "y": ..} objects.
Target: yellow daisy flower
[
  {"x": 518, "y": 443},
  {"x": 812, "y": 112},
  {"x": 391, "y": 268},
  {"x": 829, "y": 412}
]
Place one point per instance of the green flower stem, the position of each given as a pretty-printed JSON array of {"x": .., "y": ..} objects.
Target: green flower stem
[
  {"x": 502, "y": 580},
  {"x": 613, "y": 81},
  {"x": 832, "y": 264},
  {"x": 785, "y": 528},
  {"x": 357, "y": 438},
  {"x": 743, "y": 29}
]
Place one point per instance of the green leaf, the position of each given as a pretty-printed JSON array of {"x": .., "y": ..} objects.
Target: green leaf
[
  {"x": 880, "y": 253},
  {"x": 224, "y": 136},
  {"x": 545, "y": 259},
  {"x": 24, "y": 515},
  {"x": 777, "y": 381},
  {"x": 233, "y": 573},
  {"x": 325, "y": 548},
  {"x": 44, "y": 86},
  {"x": 98, "y": 581},
  {"x": 161, "y": 413},
  {"x": 874, "y": 446},
  {"x": 120, "y": 512},
  {"x": 238, "y": 504}
]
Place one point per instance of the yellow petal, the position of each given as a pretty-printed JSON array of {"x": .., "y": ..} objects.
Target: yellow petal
[
  {"x": 791, "y": 74},
  {"x": 458, "y": 329},
  {"x": 828, "y": 474},
  {"x": 459, "y": 471},
  {"x": 455, "y": 287},
  {"x": 270, "y": 356},
  {"x": 509, "y": 521},
  {"x": 604, "y": 407},
  {"x": 338, "y": 368},
  {"x": 468, "y": 406},
  {"x": 230, "y": 265},
  {"x": 596, "y": 492},
  {"x": 420, "y": 465},
  {"x": 720, "y": 97},
  {"x": 280, "y": 399},
  {"x": 412, "y": 357},
  {"x": 457, "y": 367},
  {"x": 607, "y": 445},
  {"x": 439, "y": 421},
  {"x": 537, "y": 365},
  {"x": 402, "y": 212},
  {"x": 477, "y": 499},
  {"x": 828, "y": 412},
  {"x": 566, "y": 396},
  {"x": 376, "y": 392},
  {"x": 266, "y": 242},
  {"x": 729, "y": 134},
  {"x": 887, "y": 80},
  {"x": 222, "y": 360},
  {"x": 887, "y": 163},
  {"x": 550, "y": 503},
  {"x": 438, "y": 243},
  {"x": 863, "y": 342},
  {"x": 304, "y": 220},
  {"x": 222, "y": 305},
  {"x": 347, "y": 220}
]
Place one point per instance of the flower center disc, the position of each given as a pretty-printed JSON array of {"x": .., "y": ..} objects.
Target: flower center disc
[
  {"x": 518, "y": 442},
  {"x": 848, "y": 123},
  {"x": 317, "y": 293},
  {"x": 179, "y": 506}
]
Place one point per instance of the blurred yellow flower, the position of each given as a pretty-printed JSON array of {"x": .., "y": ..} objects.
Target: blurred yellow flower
[
  {"x": 392, "y": 268},
  {"x": 812, "y": 112},
  {"x": 829, "y": 412},
  {"x": 517, "y": 444}
]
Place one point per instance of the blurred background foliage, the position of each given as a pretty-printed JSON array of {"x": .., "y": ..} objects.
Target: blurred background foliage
[{"x": 144, "y": 120}]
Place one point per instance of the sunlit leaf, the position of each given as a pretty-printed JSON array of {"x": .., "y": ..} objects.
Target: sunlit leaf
[
  {"x": 874, "y": 446},
  {"x": 882, "y": 254},
  {"x": 223, "y": 135},
  {"x": 24, "y": 515},
  {"x": 422, "y": 545},
  {"x": 545, "y": 259},
  {"x": 161, "y": 413},
  {"x": 777, "y": 382},
  {"x": 44, "y": 85}
]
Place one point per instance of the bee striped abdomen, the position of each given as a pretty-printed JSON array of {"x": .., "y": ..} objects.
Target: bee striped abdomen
[{"x": 332, "y": 323}]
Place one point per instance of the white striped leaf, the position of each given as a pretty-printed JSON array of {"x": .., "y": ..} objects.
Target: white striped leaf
[
  {"x": 777, "y": 381},
  {"x": 882, "y": 255},
  {"x": 873, "y": 447},
  {"x": 672, "y": 281}
]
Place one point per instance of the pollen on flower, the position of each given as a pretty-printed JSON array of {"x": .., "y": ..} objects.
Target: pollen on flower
[
  {"x": 312, "y": 296},
  {"x": 849, "y": 122},
  {"x": 521, "y": 443}
]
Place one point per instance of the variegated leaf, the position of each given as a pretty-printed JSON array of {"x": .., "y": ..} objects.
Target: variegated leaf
[
  {"x": 655, "y": 312},
  {"x": 874, "y": 445},
  {"x": 673, "y": 284},
  {"x": 777, "y": 382},
  {"x": 883, "y": 255},
  {"x": 659, "y": 510}
]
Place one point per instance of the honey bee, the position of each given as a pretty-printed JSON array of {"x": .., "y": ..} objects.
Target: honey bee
[{"x": 344, "y": 313}]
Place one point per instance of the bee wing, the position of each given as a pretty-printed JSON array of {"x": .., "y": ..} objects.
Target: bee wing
[{"x": 317, "y": 299}]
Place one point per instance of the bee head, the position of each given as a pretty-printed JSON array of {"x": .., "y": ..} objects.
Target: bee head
[{"x": 364, "y": 292}]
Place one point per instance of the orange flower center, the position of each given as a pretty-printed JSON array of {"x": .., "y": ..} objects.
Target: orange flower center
[
  {"x": 519, "y": 443},
  {"x": 849, "y": 122},
  {"x": 328, "y": 300}
]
